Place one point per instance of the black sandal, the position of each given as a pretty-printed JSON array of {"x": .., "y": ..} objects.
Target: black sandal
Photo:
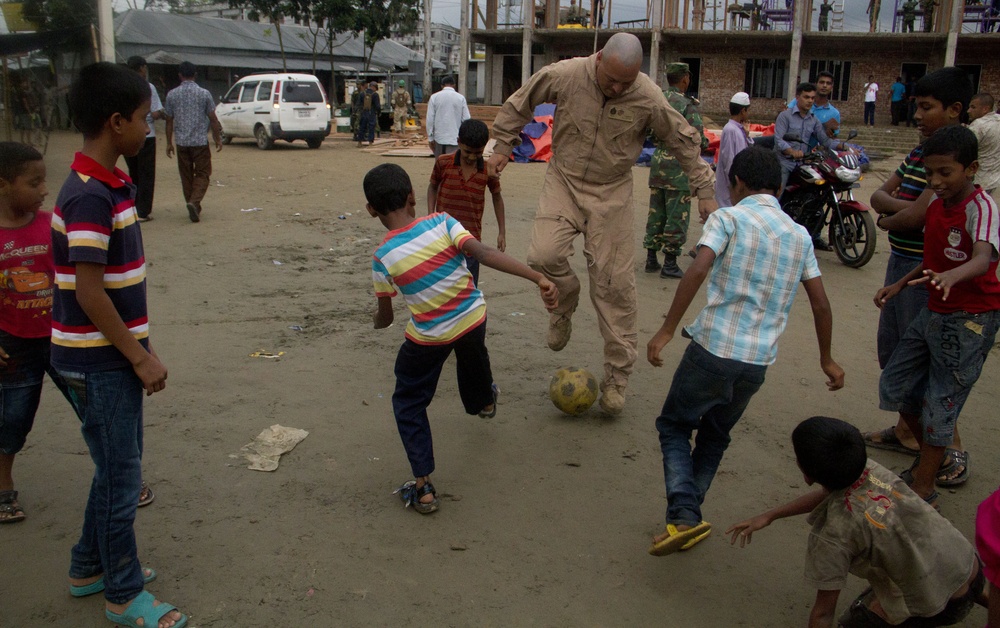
[
  {"x": 10, "y": 507},
  {"x": 411, "y": 495}
]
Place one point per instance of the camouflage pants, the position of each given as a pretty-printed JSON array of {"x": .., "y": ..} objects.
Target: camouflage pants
[
  {"x": 668, "y": 220},
  {"x": 355, "y": 125}
]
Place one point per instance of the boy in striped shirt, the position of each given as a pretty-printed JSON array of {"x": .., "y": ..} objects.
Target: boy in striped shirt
[
  {"x": 458, "y": 187},
  {"x": 939, "y": 359},
  {"x": 100, "y": 337},
  {"x": 425, "y": 260}
]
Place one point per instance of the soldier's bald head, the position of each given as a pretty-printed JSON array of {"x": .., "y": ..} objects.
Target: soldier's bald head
[
  {"x": 625, "y": 48},
  {"x": 618, "y": 64}
]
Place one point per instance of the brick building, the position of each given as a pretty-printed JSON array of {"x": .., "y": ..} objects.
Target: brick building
[{"x": 764, "y": 63}]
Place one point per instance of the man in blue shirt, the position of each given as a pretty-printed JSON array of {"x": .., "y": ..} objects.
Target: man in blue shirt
[
  {"x": 822, "y": 108},
  {"x": 803, "y": 123},
  {"x": 898, "y": 107}
]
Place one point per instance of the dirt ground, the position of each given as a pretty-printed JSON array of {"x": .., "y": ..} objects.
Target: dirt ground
[{"x": 545, "y": 519}]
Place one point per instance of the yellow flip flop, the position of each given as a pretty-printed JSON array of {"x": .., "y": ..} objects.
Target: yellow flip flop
[{"x": 680, "y": 539}]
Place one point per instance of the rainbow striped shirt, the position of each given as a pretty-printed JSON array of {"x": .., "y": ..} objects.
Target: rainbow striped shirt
[
  {"x": 95, "y": 222},
  {"x": 425, "y": 261}
]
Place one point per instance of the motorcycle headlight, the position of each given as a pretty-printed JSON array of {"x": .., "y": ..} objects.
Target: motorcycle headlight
[{"x": 848, "y": 175}]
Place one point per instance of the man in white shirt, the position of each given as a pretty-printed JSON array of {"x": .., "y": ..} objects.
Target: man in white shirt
[
  {"x": 446, "y": 111},
  {"x": 142, "y": 167},
  {"x": 985, "y": 123},
  {"x": 871, "y": 93}
]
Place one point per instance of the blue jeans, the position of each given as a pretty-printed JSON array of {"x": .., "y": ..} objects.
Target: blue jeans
[
  {"x": 708, "y": 394},
  {"x": 21, "y": 388},
  {"x": 933, "y": 369},
  {"x": 898, "y": 312},
  {"x": 109, "y": 404}
]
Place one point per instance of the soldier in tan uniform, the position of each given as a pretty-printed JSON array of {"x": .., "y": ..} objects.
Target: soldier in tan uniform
[
  {"x": 400, "y": 106},
  {"x": 605, "y": 106}
]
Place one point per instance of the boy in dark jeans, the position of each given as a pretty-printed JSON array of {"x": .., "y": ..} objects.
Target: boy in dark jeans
[
  {"x": 757, "y": 257},
  {"x": 425, "y": 259},
  {"x": 941, "y": 354},
  {"x": 922, "y": 572},
  {"x": 100, "y": 337}
]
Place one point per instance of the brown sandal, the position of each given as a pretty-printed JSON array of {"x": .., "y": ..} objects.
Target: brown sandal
[{"x": 10, "y": 507}]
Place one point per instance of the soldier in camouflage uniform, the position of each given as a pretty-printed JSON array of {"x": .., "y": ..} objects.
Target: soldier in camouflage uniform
[
  {"x": 357, "y": 99},
  {"x": 669, "y": 193}
]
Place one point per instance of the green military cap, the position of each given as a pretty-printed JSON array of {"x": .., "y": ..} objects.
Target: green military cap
[{"x": 677, "y": 68}]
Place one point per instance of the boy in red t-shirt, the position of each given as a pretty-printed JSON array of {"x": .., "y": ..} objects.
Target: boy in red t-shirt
[
  {"x": 458, "y": 187},
  {"x": 26, "y": 278},
  {"x": 941, "y": 355}
]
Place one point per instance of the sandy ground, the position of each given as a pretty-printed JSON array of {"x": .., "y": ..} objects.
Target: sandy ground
[{"x": 545, "y": 519}]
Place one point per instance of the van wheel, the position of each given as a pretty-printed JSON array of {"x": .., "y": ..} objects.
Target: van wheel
[
  {"x": 264, "y": 141},
  {"x": 227, "y": 139},
  {"x": 314, "y": 142}
]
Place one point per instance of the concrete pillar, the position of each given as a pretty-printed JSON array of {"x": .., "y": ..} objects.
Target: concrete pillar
[
  {"x": 463, "y": 50},
  {"x": 795, "y": 58},
  {"x": 954, "y": 28},
  {"x": 528, "y": 23},
  {"x": 428, "y": 61},
  {"x": 106, "y": 30},
  {"x": 656, "y": 23}
]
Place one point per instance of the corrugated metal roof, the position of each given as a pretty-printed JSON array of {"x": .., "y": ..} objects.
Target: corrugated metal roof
[{"x": 219, "y": 42}]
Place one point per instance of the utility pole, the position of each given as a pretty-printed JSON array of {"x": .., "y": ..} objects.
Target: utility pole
[
  {"x": 428, "y": 61},
  {"x": 463, "y": 50},
  {"x": 106, "y": 26}
]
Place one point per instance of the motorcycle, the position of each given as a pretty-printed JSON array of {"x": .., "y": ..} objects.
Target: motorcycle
[{"x": 819, "y": 192}]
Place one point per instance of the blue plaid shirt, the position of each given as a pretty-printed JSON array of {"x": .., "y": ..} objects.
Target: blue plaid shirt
[
  {"x": 761, "y": 257},
  {"x": 190, "y": 106}
]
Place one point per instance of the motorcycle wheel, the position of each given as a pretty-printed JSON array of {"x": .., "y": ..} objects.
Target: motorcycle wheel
[{"x": 853, "y": 238}]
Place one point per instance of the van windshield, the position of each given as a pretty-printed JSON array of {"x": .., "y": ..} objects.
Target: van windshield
[{"x": 301, "y": 91}]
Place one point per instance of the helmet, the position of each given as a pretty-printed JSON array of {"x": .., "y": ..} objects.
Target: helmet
[{"x": 402, "y": 83}]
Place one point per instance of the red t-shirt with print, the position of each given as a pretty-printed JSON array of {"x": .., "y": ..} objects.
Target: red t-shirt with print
[{"x": 27, "y": 272}]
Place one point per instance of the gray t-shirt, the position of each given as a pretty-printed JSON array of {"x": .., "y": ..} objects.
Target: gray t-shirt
[{"x": 880, "y": 530}]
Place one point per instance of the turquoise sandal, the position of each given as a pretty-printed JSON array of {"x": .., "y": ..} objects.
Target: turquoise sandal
[
  {"x": 98, "y": 585},
  {"x": 142, "y": 608}
]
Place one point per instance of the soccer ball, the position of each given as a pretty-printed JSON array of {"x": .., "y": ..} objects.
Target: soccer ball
[{"x": 573, "y": 390}]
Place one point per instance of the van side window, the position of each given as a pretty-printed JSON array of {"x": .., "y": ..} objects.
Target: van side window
[
  {"x": 264, "y": 92},
  {"x": 233, "y": 94},
  {"x": 248, "y": 91}
]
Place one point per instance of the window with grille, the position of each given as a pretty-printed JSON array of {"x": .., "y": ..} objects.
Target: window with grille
[
  {"x": 841, "y": 71},
  {"x": 765, "y": 78}
]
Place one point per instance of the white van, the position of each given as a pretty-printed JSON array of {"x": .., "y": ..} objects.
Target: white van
[{"x": 271, "y": 107}]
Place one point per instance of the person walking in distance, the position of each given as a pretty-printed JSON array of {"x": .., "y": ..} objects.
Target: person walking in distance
[
  {"x": 400, "y": 106},
  {"x": 142, "y": 167},
  {"x": 190, "y": 112},
  {"x": 446, "y": 111}
]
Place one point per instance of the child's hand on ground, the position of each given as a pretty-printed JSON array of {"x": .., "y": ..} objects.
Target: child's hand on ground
[
  {"x": 152, "y": 373},
  {"x": 884, "y": 294},
  {"x": 744, "y": 529},
  {"x": 659, "y": 340},
  {"x": 550, "y": 294},
  {"x": 835, "y": 373},
  {"x": 3, "y": 356},
  {"x": 940, "y": 281}
]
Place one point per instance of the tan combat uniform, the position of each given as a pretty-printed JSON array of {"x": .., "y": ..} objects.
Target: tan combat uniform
[
  {"x": 588, "y": 189},
  {"x": 400, "y": 108}
]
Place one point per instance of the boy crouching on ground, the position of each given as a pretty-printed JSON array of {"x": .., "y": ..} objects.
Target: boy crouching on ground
[
  {"x": 757, "y": 257},
  {"x": 941, "y": 355},
  {"x": 425, "y": 259},
  {"x": 866, "y": 521}
]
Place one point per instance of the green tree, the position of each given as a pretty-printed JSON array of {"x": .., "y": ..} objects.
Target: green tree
[
  {"x": 379, "y": 19},
  {"x": 273, "y": 11},
  {"x": 326, "y": 20},
  {"x": 51, "y": 15}
]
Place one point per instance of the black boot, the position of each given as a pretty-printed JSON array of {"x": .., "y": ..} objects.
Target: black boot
[
  {"x": 670, "y": 267},
  {"x": 652, "y": 264}
]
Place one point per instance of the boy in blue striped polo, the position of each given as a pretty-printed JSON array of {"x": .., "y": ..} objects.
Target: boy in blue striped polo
[
  {"x": 757, "y": 256},
  {"x": 100, "y": 337}
]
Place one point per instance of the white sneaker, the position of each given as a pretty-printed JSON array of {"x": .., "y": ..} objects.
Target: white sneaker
[{"x": 560, "y": 328}]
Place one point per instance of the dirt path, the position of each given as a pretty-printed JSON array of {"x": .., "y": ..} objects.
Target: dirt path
[{"x": 545, "y": 520}]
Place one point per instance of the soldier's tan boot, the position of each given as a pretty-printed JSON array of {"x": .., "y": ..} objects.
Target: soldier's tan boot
[
  {"x": 560, "y": 328},
  {"x": 613, "y": 399}
]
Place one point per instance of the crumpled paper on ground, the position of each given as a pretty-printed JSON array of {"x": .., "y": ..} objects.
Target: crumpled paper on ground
[{"x": 266, "y": 449}]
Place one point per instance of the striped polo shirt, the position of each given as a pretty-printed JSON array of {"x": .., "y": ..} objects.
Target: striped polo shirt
[
  {"x": 95, "y": 222},
  {"x": 910, "y": 244},
  {"x": 425, "y": 261},
  {"x": 465, "y": 199}
]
